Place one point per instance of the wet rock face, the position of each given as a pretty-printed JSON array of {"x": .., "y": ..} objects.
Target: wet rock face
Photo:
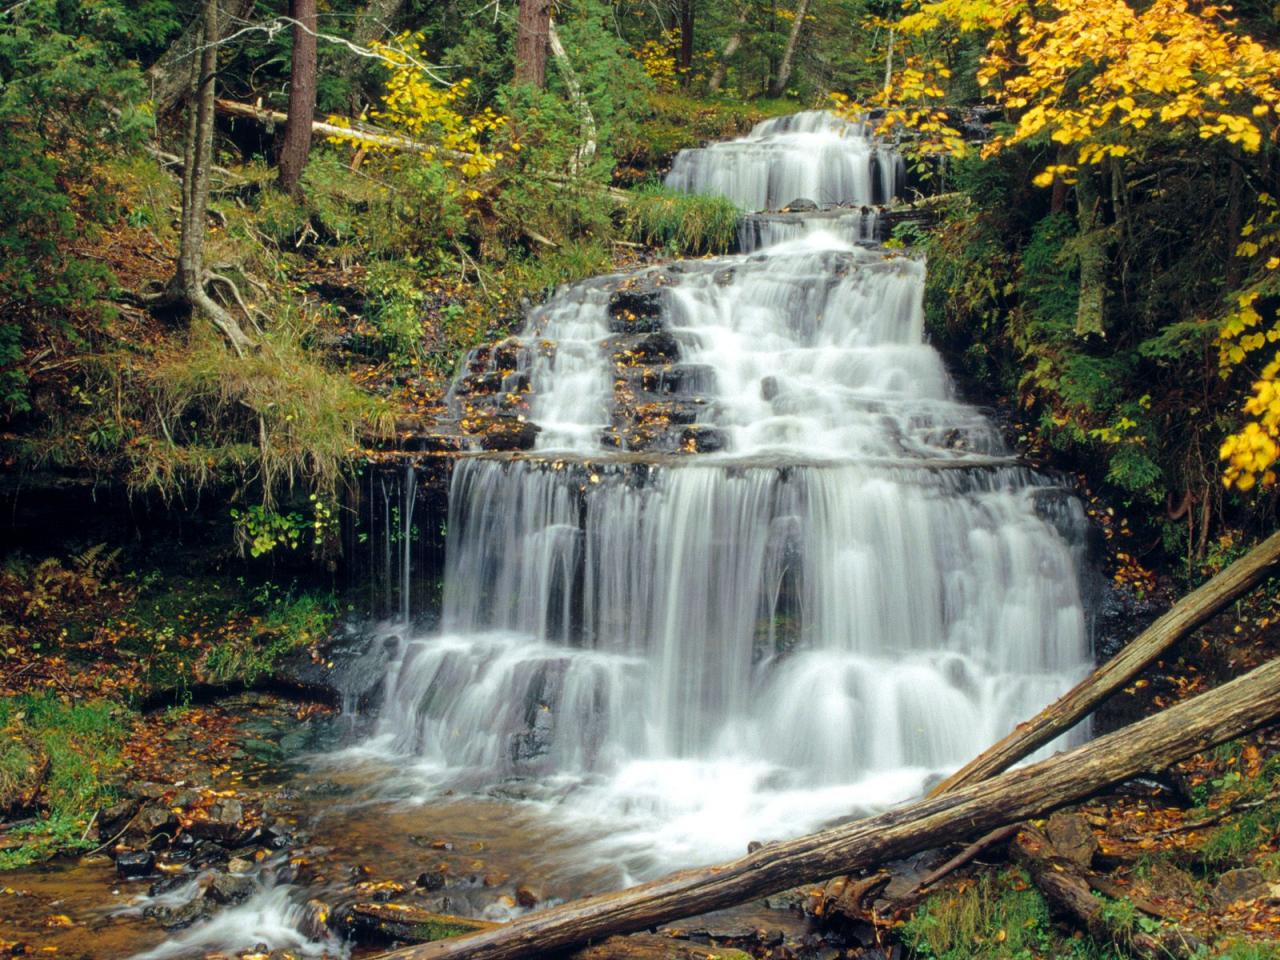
[{"x": 636, "y": 311}]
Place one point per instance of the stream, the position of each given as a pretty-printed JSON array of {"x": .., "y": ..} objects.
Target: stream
[{"x": 761, "y": 571}]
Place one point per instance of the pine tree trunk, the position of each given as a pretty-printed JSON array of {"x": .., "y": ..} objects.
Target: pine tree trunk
[
  {"x": 686, "y": 40},
  {"x": 302, "y": 96},
  {"x": 789, "y": 52},
  {"x": 533, "y": 27}
]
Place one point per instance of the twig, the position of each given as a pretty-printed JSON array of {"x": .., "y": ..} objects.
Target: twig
[
  {"x": 968, "y": 853},
  {"x": 89, "y": 826}
]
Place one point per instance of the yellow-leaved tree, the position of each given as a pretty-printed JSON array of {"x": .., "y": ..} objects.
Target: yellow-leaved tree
[{"x": 1106, "y": 80}]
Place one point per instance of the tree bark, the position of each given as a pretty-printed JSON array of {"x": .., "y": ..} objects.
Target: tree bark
[
  {"x": 1211, "y": 718},
  {"x": 1185, "y": 616},
  {"x": 730, "y": 48},
  {"x": 189, "y": 279},
  {"x": 302, "y": 96},
  {"x": 170, "y": 76},
  {"x": 686, "y": 41},
  {"x": 779, "y": 86},
  {"x": 533, "y": 28}
]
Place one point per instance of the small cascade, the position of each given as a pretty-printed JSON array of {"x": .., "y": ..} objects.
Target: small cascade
[
  {"x": 814, "y": 155},
  {"x": 758, "y": 566}
]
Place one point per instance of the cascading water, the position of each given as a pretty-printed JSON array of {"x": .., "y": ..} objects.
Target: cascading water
[{"x": 763, "y": 568}]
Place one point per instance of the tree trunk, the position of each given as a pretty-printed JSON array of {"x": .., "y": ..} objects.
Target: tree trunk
[
  {"x": 1093, "y": 258},
  {"x": 1211, "y": 718},
  {"x": 188, "y": 281},
  {"x": 1184, "y": 617},
  {"x": 789, "y": 52},
  {"x": 686, "y": 41},
  {"x": 730, "y": 48},
  {"x": 302, "y": 96},
  {"x": 586, "y": 119},
  {"x": 170, "y": 76},
  {"x": 533, "y": 27}
]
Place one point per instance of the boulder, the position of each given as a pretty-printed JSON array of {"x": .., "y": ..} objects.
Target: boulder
[
  {"x": 1235, "y": 885},
  {"x": 134, "y": 864},
  {"x": 1072, "y": 838}
]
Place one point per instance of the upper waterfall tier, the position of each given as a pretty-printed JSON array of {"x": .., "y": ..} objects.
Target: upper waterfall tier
[
  {"x": 813, "y": 351},
  {"x": 814, "y": 156}
]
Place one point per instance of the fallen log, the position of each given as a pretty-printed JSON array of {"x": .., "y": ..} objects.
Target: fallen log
[
  {"x": 1069, "y": 892},
  {"x": 1211, "y": 718},
  {"x": 367, "y": 134},
  {"x": 1185, "y": 616}
]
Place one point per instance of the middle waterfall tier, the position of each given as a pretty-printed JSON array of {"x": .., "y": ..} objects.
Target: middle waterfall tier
[{"x": 833, "y": 622}]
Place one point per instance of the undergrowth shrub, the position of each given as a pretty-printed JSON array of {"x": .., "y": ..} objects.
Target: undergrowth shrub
[{"x": 681, "y": 222}]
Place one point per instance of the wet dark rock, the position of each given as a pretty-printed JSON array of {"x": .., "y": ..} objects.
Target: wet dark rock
[
  {"x": 480, "y": 384},
  {"x": 113, "y": 819},
  {"x": 1235, "y": 885},
  {"x": 175, "y": 918},
  {"x": 1071, "y": 836},
  {"x": 636, "y": 310},
  {"x": 432, "y": 880},
  {"x": 227, "y": 889},
  {"x": 534, "y": 742},
  {"x": 527, "y": 896},
  {"x": 314, "y": 924},
  {"x": 723, "y": 278},
  {"x": 699, "y": 438},
  {"x": 224, "y": 823},
  {"x": 134, "y": 864},
  {"x": 659, "y": 347},
  {"x": 167, "y": 884},
  {"x": 768, "y": 388},
  {"x": 206, "y": 853},
  {"x": 145, "y": 790},
  {"x": 801, "y": 205},
  {"x": 683, "y": 379},
  {"x": 155, "y": 818},
  {"x": 503, "y": 432}
]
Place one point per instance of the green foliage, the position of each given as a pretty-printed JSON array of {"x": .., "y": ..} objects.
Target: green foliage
[
  {"x": 290, "y": 621},
  {"x": 276, "y": 418},
  {"x": 681, "y": 223},
  {"x": 68, "y": 98},
  {"x": 999, "y": 917},
  {"x": 82, "y": 743}
]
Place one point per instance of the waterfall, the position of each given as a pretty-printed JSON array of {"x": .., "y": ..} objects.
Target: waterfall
[{"x": 763, "y": 566}]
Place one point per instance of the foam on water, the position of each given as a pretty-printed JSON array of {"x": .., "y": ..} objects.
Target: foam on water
[{"x": 859, "y": 593}]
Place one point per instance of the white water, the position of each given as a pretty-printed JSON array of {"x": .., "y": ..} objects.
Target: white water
[{"x": 857, "y": 595}]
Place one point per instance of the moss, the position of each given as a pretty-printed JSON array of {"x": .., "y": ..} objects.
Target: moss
[{"x": 83, "y": 745}]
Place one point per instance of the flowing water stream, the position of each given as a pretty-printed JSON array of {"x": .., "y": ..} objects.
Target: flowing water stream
[
  {"x": 854, "y": 590},
  {"x": 763, "y": 569}
]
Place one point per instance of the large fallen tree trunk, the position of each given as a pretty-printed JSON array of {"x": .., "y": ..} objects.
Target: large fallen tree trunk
[
  {"x": 1151, "y": 744},
  {"x": 1185, "y": 616}
]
